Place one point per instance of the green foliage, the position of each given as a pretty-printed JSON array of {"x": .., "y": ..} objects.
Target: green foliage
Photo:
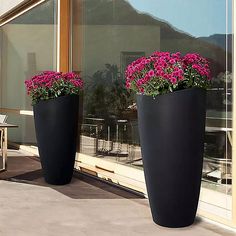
[{"x": 105, "y": 93}]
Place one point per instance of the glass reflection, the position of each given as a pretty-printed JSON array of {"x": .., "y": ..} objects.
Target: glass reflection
[
  {"x": 27, "y": 47},
  {"x": 109, "y": 34}
]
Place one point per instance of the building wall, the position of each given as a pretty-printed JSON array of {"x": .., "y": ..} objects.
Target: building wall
[{"x": 117, "y": 38}]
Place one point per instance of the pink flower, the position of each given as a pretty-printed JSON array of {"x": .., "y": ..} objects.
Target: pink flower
[
  {"x": 128, "y": 85},
  {"x": 166, "y": 76},
  {"x": 173, "y": 80},
  {"x": 141, "y": 90},
  {"x": 195, "y": 66},
  {"x": 176, "y": 55},
  {"x": 139, "y": 82},
  {"x": 151, "y": 73}
]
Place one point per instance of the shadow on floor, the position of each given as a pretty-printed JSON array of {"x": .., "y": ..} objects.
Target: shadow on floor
[
  {"x": 197, "y": 220},
  {"x": 28, "y": 170}
]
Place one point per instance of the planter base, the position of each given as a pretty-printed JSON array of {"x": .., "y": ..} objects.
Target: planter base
[
  {"x": 57, "y": 182},
  {"x": 176, "y": 224}
]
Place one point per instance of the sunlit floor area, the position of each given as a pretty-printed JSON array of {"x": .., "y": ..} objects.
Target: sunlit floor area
[{"x": 87, "y": 206}]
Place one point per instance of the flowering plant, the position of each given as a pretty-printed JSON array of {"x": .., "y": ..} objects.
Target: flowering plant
[
  {"x": 50, "y": 84},
  {"x": 163, "y": 72}
]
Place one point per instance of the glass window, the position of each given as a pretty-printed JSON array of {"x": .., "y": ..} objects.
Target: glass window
[
  {"x": 27, "y": 47},
  {"x": 109, "y": 34}
]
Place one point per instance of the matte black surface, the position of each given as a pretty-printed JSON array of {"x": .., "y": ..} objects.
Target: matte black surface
[
  {"x": 172, "y": 128},
  {"x": 56, "y": 124}
]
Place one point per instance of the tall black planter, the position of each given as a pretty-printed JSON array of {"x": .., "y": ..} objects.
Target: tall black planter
[
  {"x": 172, "y": 130},
  {"x": 56, "y": 123}
]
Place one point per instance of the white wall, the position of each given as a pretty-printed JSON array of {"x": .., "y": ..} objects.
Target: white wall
[{"x": 8, "y": 5}]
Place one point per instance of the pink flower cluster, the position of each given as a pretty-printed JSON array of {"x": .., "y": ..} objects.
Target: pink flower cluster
[
  {"x": 198, "y": 63},
  {"x": 163, "y": 72},
  {"x": 50, "y": 84},
  {"x": 47, "y": 78}
]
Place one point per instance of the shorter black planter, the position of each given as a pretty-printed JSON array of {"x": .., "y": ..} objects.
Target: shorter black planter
[
  {"x": 172, "y": 128},
  {"x": 56, "y": 124}
]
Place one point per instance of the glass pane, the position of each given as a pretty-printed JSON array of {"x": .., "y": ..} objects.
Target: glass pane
[
  {"x": 27, "y": 47},
  {"x": 25, "y": 132},
  {"x": 109, "y": 34}
]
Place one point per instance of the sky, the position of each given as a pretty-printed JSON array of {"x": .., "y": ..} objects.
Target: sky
[{"x": 196, "y": 17}]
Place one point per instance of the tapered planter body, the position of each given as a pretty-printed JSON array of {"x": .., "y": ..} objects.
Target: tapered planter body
[
  {"x": 56, "y": 123},
  {"x": 172, "y": 128}
]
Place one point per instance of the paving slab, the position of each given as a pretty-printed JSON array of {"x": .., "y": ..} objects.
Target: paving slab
[{"x": 30, "y": 207}]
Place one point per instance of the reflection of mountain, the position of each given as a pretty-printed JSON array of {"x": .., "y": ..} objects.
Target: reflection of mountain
[
  {"x": 120, "y": 12},
  {"x": 97, "y": 14},
  {"x": 219, "y": 40},
  {"x": 42, "y": 14}
]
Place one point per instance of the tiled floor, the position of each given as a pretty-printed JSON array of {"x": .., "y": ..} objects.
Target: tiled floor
[{"x": 30, "y": 207}]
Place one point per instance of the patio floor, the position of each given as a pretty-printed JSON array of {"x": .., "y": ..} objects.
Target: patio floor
[{"x": 30, "y": 207}]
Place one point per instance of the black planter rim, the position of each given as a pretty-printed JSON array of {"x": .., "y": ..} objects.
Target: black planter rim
[
  {"x": 56, "y": 98},
  {"x": 171, "y": 93}
]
